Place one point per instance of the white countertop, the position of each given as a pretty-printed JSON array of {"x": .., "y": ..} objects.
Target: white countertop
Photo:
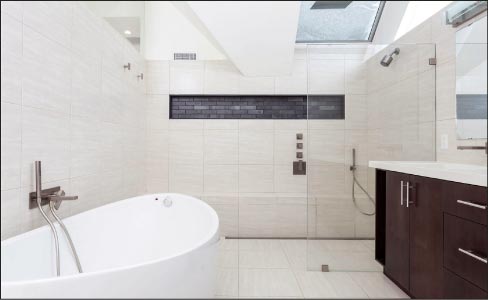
[{"x": 469, "y": 174}]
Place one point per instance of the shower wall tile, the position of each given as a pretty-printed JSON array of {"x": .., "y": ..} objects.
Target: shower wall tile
[
  {"x": 187, "y": 178},
  {"x": 296, "y": 82},
  {"x": 256, "y": 147},
  {"x": 221, "y": 77},
  {"x": 244, "y": 170},
  {"x": 86, "y": 40},
  {"x": 256, "y": 85},
  {"x": 356, "y": 77},
  {"x": 10, "y": 210},
  {"x": 157, "y": 79},
  {"x": 221, "y": 147},
  {"x": 221, "y": 124},
  {"x": 285, "y": 146},
  {"x": 44, "y": 139},
  {"x": 256, "y": 178},
  {"x": 11, "y": 59},
  {"x": 221, "y": 179},
  {"x": 186, "y": 146},
  {"x": 11, "y": 145},
  {"x": 326, "y": 77},
  {"x": 157, "y": 113},
  {"x": 326, "y": 147},
  {"x": 187, "y": 77},
  {"x": 356, "y": 112},
  {"x": 52, "y": 19},
  {"x": 86, "y": 89},
  {"x": 46, "y": 82},
  {"x": 286, "y": 182},
  {"x": 13, "y": 9},
  {"x": 68, "y": 103}
]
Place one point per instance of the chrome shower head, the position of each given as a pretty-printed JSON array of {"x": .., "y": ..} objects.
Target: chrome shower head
[{"x": 387, "y": 59}]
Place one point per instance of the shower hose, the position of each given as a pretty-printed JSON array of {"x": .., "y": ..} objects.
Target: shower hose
[{"x": 354, "y": 182}]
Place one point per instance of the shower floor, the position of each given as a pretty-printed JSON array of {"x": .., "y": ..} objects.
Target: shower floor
[{"x": 266, "y": 268}]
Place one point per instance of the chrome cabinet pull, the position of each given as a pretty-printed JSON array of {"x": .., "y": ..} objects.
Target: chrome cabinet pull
[
  {"x": 401, "y": 193},
  {"x": 471, "y": 204},
  {"x": 408, "y": 195},
  {"x": 471, "y": 253}
]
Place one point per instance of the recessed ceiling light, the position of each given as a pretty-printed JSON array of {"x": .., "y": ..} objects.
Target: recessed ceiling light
[{"x": 128, "y": 32}]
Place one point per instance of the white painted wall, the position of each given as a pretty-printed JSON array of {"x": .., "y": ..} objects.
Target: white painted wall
[
  {"x": 168, "y": 31},
  {"x": 257, "y": 36}
]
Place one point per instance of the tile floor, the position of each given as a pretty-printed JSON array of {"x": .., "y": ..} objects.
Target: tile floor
[{"x": 264, "y": 268}]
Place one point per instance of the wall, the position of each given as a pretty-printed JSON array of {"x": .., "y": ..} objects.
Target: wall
[
  {"x": 66, "y": 100},
  {"x": 243, "y": 168},
  {"x": 170, "y": 28}
]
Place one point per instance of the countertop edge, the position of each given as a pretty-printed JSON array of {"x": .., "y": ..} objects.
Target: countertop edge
[{"x": 455, "y": 176}]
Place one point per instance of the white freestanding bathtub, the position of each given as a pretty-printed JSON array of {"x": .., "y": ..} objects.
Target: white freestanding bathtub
[{"x": 140, "y": 247}]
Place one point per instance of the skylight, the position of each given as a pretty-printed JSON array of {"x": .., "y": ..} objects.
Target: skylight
[{"x": 338, "y": 21}]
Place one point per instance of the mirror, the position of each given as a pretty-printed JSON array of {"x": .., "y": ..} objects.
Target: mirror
[
  {"x": 126, "y": 17},
  {"x": 471, "y": 81}
]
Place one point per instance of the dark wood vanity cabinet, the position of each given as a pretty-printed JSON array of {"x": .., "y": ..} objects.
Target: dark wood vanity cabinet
[
  {"x": 413, "y": 236},
  {"x": 435, "y": 238}
]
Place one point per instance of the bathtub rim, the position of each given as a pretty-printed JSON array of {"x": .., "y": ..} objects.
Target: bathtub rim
[{"x": 211, "y": 240}]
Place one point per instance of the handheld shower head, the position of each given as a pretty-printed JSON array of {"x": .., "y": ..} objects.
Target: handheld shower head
[{"x": 387, "y": 59}]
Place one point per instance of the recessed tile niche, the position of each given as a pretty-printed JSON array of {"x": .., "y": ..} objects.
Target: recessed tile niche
[{"x": 292, "y": 107}]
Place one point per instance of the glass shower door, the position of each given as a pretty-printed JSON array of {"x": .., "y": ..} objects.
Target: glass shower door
[{"x": 361, "y": 110}]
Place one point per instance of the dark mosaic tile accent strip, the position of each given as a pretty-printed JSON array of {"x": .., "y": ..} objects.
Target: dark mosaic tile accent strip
[
  {"x": 254, "y": 107},
  {"x": 326, "y": 107},
  {"x": 471, "y": 106}
]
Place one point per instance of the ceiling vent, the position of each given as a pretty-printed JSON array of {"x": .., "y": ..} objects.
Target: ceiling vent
[{"x": 185, "y": 56}]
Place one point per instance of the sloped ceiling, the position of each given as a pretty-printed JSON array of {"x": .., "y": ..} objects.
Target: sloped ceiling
[{"x": 257, "y": 36}]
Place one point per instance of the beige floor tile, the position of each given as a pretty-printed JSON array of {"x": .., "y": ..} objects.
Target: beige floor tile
[
  {"x": 377, "y": 285},
  {"x": 270, "y": 259},
  {"x": 268, "y": 283},
  {"x": 329, "y": 285},
  {"x": 228, "y": 259},
  {"x": 259, "y": 244},
  {"x": 227, "y": 282}
]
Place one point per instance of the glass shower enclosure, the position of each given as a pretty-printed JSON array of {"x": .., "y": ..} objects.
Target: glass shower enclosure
[{"x": 365, "y": 102}]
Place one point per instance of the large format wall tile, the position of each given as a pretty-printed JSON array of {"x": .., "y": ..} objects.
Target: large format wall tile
[
  {"x": 296, "y": 82},
  {"x": 221, "y": 77},
  {"x": 52, "y": 19},
  {"x": 256, "y": 178},
  {"x": 11, "y": 57},
  {"x": 11, "y": 145},
  {"x": 45, "y": 137},
  {"x": 326, "y": 77},
  {"x": 187, "y": 77},
  {"x": 47, "y": 68},
  {"x": 221, "y": 147},
  {"x": 81, "y": 115},
  {"x": 256, "y": 147},
  {"x": 157, "y": 79}
]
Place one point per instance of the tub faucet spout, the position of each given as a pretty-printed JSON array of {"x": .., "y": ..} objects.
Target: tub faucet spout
[{"x": 59, "y": 197}]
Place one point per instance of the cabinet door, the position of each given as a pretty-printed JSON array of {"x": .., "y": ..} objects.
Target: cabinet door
[
  {"x": 397, "y": 230},
  {"x": 426, "y": 230}
]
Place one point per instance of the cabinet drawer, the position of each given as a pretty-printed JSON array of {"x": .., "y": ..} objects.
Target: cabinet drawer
[
  {"x": 457, "y": 288},
  {"x": 465, "y": 201},
  {"x": 465, "y": 249}
]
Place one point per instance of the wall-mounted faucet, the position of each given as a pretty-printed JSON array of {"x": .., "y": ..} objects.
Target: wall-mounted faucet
[
  {"x": 53, "y": 196},
  {"x": 127, "y": 67}
]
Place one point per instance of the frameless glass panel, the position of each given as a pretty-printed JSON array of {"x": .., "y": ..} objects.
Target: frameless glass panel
[
  {"x": 389, "y": 115},
  {"x": 322, "y": 21}
]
